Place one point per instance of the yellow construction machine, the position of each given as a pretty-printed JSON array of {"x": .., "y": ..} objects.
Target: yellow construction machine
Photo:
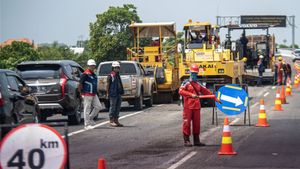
[
  {"x": 157, "y": 59},
  {"x": 202, "y": 47}
]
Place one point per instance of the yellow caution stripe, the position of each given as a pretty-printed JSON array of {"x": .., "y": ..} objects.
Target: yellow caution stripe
[
  {"x": 226, "y": 140},
  {"x": 277, "y": 101},
  {"x": 246, "y": 102},
  {"x": 262, "y": 115},
  {"x": 233, "y": 87},
  {"x": 231, "y": 108}
]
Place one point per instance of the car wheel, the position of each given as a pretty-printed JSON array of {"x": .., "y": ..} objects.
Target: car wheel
[
  {"x": 75, "y": 117},
  {"x": 149, "y": 102},
  {"x": 139, "y": 102}
]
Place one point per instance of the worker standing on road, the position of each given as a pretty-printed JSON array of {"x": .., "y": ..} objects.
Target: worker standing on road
[
  {"x": 114, "y": 90},
  {"x": 191, "y": 90},
  {"x": 261, "y": 70},
  {"x": 88, "y": 89},
  {"x": 279, "y": 71},
  {"x": 287, "y": 69}
]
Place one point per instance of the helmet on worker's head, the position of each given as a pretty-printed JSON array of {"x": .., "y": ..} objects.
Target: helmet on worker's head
[
  {"x": 261, "y": 56},
  {"x": 280, "y": 58},
  {"x": 115, "y": 64},
  {"x": 194, "y": 68},
  {"x": 91, "y": 62},
  {"x": 244, "y": 59}
]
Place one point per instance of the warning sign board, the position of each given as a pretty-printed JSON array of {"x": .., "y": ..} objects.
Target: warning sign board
[
  {"x": 33, "y": 146},
  {"x": 271, "y": 20}
]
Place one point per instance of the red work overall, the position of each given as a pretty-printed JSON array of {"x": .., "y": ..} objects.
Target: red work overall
[
  {"x": 279, "y": 73},
  {"x": 192, "y": 106}
]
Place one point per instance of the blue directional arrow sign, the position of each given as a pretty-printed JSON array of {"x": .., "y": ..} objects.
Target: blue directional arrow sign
[{"x": 234, "y": 99}]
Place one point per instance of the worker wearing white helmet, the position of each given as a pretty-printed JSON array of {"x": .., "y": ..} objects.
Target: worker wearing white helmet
[
  {"x": 261, "y": 69},
  {"x": 88, "y": 89},
  {"x": 114, "y": 91}
]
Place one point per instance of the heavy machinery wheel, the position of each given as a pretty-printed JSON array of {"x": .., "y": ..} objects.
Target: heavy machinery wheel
[
  {"x": 165, "y": 97},
  {"x": 138, "y": 105},
  {"x": 75, "y": 117}
]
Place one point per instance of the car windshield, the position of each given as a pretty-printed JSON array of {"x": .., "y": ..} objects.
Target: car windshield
[
  {"x": 126, "y": 69},
  {"x": 39, "y": 71}
]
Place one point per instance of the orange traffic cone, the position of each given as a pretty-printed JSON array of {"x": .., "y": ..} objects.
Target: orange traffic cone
[
  {"x": 288, "y": 90},
  {"x": 278, "y": 101},
  {"x": 282, "y": 95},
  {"x": 226, "y": 147},
  {"x": 101, "y": 163},
  {"x": 296, "y": 83},
  {"x": 262, "y": 117}
]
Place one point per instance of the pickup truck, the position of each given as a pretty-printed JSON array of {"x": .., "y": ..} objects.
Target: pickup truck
[{"x": 139, "y": 88}]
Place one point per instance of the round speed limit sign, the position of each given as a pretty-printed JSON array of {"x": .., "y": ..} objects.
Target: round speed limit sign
[{"x": 33, "y": 146}]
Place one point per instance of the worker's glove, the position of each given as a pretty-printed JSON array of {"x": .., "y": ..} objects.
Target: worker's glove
[{"x": 194, "y": 96}]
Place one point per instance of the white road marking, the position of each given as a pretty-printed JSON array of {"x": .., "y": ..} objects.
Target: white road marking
[
  {"x": 266, "y": 94},
  {"x": 102, "y": 124},
  {"x": 273, "y": 87},
  {"x": 255, "y": 104},
  {"x": 184, "y": 159},
  {"x": 234, "y": 121},
  {"x": 159, "y": 105}
]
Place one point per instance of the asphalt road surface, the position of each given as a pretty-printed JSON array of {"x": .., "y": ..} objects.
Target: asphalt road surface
[{"x": 152, "y": 138}]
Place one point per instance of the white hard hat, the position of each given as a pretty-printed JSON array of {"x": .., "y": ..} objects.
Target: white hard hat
[
  {"x": 115, "y": 64},
  {"x": 261, "y": 56},
  {"x": 91, "y": 62}
]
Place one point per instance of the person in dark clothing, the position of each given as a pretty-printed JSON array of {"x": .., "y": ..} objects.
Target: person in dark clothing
[
  {"x": 287, "y": 72},
  {"x": 244, "y": 42},
  {"x": 114, "y": 90},
  {"x": 261, "y": 70}
]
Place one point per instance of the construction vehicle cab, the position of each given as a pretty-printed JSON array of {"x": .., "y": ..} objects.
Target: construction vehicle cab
[
  {"x": 202, "y": 47},
  {"x": 157, "y": 58}
]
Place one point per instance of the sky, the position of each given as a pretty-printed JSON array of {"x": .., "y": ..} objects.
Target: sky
[{"x": 67, "y": 21}]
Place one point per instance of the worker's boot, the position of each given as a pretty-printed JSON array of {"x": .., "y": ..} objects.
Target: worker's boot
[
  {"x": 112, "y": 122},
  {"x": 197, "y": 141},
  {"x": 118, "y": 123},
  {"x": 187, "y": 142}
]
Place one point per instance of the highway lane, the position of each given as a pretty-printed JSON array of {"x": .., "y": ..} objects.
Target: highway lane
[
  {"x": 259, "y": 148},
  {"x": 150, "y": 139}
]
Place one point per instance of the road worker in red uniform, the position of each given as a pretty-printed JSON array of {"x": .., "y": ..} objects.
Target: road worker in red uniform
[
  {"x": 279, "y": 71},
  {"x": 191, "y": 89}
]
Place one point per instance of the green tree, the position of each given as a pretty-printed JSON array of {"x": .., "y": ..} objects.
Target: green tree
[
  {"x": 171, "y": 41},
  {"x": 110, "y": 34},
  {"x": 16, "y": 53},
  {"x": 55, "y": 51}
]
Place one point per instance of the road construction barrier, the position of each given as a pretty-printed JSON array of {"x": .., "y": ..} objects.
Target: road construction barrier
[
  {"x": 262, "y": 116},
  {"x": 226, "y": 147}
]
